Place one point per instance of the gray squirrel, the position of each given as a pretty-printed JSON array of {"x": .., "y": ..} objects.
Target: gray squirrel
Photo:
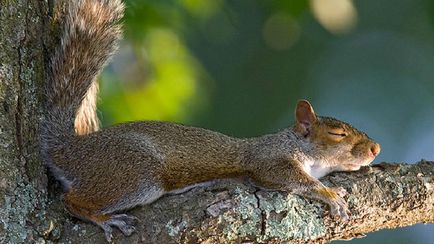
[{"x": 116, "y": 168}]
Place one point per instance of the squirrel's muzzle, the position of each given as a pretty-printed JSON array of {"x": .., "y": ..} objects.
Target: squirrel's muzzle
[{"x": 375, "y": 149}]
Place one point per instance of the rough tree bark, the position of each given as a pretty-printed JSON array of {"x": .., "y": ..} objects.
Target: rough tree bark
[
  {"x": 230, "y": 211},
  {"x": 22, "y": 176}
]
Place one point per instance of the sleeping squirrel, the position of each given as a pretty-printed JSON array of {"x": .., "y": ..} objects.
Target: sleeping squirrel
[{"x": 113, "y": 169}]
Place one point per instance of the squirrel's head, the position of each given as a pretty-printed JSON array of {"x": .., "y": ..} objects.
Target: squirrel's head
[{"x": 341, "y": 146}]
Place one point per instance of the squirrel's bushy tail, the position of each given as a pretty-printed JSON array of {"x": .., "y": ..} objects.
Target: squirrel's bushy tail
[{"x": 89, "y": 35}]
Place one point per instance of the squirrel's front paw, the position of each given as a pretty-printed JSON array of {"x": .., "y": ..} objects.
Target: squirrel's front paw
[
  {"x": 333, "y": 196},
  {"x": 339, "y": 208},
  {"x": 339, "y": 190}
]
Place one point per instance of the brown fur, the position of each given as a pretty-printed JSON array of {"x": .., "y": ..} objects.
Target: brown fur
[
  {"x": 85, "y": 210},
  {"x": 113, "y": 169}
]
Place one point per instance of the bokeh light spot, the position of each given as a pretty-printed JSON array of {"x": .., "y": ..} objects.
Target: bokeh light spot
[
  {"x": 336, "y": 16},
  {"x": 281, "y": 31}
]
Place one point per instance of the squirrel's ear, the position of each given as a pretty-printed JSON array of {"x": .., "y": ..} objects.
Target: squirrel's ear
[{"x": 305, "y": 116}]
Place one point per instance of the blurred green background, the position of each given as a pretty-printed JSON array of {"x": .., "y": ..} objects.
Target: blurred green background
[{"x": 239, "y": 66}]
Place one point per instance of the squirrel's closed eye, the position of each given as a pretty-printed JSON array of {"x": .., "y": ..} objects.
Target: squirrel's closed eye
[{"x": 338, "y": 134}]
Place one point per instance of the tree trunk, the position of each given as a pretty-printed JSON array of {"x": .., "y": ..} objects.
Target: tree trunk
[
  {"x": 380, "y": 197},
  {"x": 22, "y": 177}
]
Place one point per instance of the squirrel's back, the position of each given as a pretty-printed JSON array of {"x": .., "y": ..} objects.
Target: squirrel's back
[{"x": 152, "y": 146}]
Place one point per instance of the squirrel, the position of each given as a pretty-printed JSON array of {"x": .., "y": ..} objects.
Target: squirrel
[{"x": 106, "y": 171}]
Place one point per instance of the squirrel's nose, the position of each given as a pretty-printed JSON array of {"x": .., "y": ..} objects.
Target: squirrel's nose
[{"x": 375, "y": 149}]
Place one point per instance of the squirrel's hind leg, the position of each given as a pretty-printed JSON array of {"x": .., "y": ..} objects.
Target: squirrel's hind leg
[{"x": 88, "y": 211}]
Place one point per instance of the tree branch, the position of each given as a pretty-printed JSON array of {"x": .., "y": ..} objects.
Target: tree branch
[{"x": 379, "y": 197}]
